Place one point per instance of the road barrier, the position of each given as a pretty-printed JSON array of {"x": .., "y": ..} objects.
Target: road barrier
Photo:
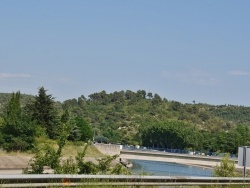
[{"x": 54, "y": 180}]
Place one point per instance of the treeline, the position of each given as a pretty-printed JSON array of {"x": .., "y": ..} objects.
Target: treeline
[
  {"x": 126, "y": 117},
  {"x": 20, "y": 125},
  {"x": 177, "y": 134}
]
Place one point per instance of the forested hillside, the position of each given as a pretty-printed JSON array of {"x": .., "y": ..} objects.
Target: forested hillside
[
  {"x": 5, "y": 98},
  {"x": 147, "y": 119}
]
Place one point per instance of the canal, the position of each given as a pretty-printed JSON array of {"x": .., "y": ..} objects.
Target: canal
[{"x": 168, "y": 169}]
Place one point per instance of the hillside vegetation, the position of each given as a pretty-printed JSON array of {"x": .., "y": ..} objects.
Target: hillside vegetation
[{"x": 142, "y": 118}]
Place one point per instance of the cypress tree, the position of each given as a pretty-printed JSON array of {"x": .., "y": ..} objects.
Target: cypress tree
[
  {"x": 18, "y": 131},
  {"x": 13, "y": 115}
]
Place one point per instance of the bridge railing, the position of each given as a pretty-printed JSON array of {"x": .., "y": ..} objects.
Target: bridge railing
[{"x": 53, "y": 180}]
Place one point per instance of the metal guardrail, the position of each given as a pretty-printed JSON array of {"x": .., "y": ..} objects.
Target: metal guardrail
[{"x": 53, "y": 180}]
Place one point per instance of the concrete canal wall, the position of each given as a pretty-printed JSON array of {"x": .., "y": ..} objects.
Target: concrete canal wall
[{"x": 108, "y": 149}]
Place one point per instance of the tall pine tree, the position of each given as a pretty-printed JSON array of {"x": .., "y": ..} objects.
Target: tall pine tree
[{"x": 44, "y": 113}]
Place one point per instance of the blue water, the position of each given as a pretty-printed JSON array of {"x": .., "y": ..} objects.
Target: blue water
[{"x": 168, "y": 169}]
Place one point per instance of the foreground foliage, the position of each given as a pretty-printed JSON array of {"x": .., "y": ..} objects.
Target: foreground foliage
[
  {"x": 49, "y": 156},
  {"x": 226, "y": 168}
]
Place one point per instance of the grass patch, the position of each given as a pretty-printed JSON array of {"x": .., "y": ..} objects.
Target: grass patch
[
  {"x": 72, "y": 148},
  {"x": 15, "y": 153}
]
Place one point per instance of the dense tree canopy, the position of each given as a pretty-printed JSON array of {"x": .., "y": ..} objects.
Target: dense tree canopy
[
  {"x": 129, "y": 117},
  {"x": 81, "y": 130}
]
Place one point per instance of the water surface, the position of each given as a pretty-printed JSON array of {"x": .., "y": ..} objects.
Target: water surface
[{"x": 168, "y": 169}]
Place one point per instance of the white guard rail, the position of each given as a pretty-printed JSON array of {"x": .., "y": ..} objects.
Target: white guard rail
[{"x": 54, "y": 180}]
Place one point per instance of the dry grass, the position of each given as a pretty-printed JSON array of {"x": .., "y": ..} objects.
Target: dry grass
[
  {"x": 21, "y": 159},
  {"x": 15, "y": 153},
  {"x": 71, "y": 149}
]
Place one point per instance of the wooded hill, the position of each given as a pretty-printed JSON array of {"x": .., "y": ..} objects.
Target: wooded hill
[{"x": 129, "y": 117}]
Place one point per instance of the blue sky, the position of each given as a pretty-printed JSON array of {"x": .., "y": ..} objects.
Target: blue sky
[{"x": 183, "y": 50}]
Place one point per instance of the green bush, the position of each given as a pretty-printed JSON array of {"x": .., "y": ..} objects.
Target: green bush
[{"x": 225, "y": 169}]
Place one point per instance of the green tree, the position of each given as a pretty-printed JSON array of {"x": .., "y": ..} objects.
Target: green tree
[
  {"x": 225, "y": 169},
  {"x": 81, "y": 130},
  {"x": 104, "y": 163},
  {"x": 13, "y": 109},
  {"x": 18, "y": 131},
  {"x": 120, "y": 169},
  {"x": 47, "y": 155},
  {"x": 244, "y": 132},
  {"x": 44, "y": 113},
  {"x": 1, "y": 128},
  {"x": 65, "y": 117},
  {"x": 170, "y": 134},
  {"x": 156, "y": 100},
  {"x": 150, "y": 95},
  {"x": 1, "y": 121},
  {"x": 141, "y": 94},
  {"x": 203, "y": 115}
]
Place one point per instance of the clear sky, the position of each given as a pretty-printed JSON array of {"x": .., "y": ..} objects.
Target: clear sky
[{"x": 184, "y": 50}]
